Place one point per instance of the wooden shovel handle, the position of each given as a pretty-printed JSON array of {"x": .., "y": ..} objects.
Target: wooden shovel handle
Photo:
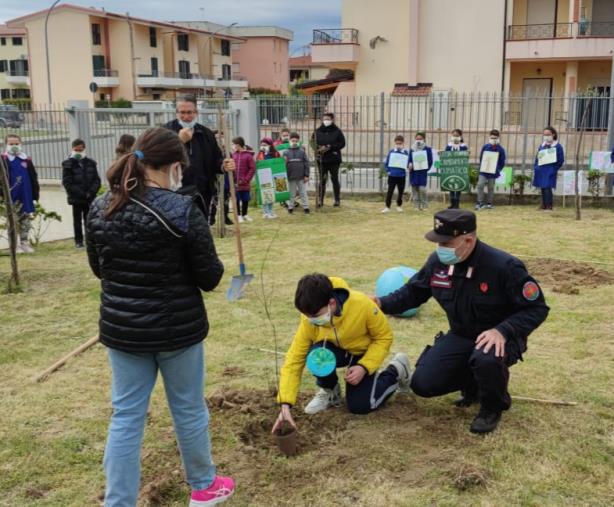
[{"x": 233, "y": 196}]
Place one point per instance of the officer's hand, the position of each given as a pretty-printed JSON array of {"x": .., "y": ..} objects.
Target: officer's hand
[
  {"x": 284, "y": 416},
  {"x": 489, "y": 339},
  {"x": 354, "y": 375},
  {"x": 376, "y": 300},
  {"x": 185, "y": 135}
]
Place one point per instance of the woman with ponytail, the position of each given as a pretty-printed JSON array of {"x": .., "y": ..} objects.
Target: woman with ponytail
[{"x": 153, "y": 252}]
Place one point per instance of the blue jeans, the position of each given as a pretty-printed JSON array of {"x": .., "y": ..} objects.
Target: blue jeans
[
  {"x": 267, "y": 208},
  {"x": 134, "y": 376}
]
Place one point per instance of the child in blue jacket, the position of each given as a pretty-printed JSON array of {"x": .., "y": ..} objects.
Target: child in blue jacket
[
  {"x": 488, "y": 179},
  {"x": 418, "y": 174},
  {"x": 456, "y": 144},
  {"x": 396, "y": 167},
  {"x": 544, "y": 169}
]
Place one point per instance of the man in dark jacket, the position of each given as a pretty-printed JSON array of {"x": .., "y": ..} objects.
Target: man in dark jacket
[
  {"x": 82, "y": 182},
  {"x": 492, "y": 305},
  {"x": 329, "y": 141},
  {"x": 203, "y": 151}
]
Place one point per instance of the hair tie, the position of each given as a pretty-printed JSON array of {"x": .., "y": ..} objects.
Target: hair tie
[{"x": 139, "y": 154}]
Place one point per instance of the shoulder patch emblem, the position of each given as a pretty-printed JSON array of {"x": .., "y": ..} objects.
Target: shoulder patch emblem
[
  {"x": 375, "y": 311},
  {"x": 530, "y": 291}
]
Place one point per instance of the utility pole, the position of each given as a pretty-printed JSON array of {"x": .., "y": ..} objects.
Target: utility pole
[{"x": 47, "y": 51}]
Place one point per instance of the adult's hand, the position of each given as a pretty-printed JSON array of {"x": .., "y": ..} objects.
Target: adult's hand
[
  {"x": 229, "y": 165},
  {"x": 489, "y": 339},
  {"x": 354, "y": 375},
  {"x": 284, "y": 416},
  {"x": 186, "y": 135}
]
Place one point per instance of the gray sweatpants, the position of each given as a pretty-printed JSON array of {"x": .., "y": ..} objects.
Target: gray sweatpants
[
  {"x": 482, "y": 182},
  {"x": 24, "y": 223},
  {"x": 301, "y": 186},
  {"x": 419, "y": 196}
]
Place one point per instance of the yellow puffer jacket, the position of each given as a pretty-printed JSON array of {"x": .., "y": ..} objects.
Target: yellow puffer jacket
[{"x": 361, "y": 328}]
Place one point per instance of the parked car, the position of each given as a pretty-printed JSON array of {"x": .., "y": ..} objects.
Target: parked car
[{"x": 10, "y": 116}]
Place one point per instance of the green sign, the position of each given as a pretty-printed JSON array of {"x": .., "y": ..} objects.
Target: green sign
[
  {"x": 272, "y": 181},
  {"x": 505, "y": 178},
  {"x": 454, "y": 170}
]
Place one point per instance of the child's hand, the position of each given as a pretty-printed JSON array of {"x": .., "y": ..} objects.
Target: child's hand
[
  {"x": 284, "y": 416},
  {"x": 354, "y": 375}
]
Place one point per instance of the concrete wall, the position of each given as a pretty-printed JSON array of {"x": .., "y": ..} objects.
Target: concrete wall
[{"x": 121, "y": 54}]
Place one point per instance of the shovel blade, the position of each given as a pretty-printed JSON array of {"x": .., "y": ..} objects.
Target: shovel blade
[{"x": 237, "y": 286}]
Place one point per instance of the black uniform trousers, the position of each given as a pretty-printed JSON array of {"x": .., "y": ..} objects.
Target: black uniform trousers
[
  {"x": 79, "y": 218},
  {"x": 455, "y": 198},
  {"x": 325, "y": 168},
  {"x": 370, "y": 393},
  {"x": 453, "y": 363}
]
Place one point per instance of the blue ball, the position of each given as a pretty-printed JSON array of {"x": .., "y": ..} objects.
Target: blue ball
[{"x": 393, "y": 279}]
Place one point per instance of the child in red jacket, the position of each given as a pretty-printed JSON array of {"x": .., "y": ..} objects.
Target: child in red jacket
[{"x": 245, "y": 168}]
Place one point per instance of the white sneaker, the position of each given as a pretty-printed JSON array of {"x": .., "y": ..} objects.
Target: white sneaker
[
  {"x": 386, "y": 210},
  {"x": 399, "y": 209},
  {"x": 247, "y": 218},
  {"x": 265, "y": 215},
  {"x": 26, "y": 248},
  {"x": 400, "y": 362},
  {"x": 324, "y": 398},
  {"x": 272, "y": 215},
  {"x": 241, "y": 219}
]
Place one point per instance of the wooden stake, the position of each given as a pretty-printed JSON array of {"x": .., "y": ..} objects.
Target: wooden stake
[{"x": 58, "y": 364}]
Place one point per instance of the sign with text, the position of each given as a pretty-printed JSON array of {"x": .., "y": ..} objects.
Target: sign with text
[
  {"x": 454, "y": 170},
  {"x": 272, "y": 181}
]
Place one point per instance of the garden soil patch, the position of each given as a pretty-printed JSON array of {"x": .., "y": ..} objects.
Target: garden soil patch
[{"x": 568, "y": 277}]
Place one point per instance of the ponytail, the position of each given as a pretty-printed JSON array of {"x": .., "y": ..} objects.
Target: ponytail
[{"x": 126, "y": 176}]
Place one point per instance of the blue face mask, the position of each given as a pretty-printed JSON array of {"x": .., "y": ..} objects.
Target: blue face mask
[{"x": 447, "y": 255}]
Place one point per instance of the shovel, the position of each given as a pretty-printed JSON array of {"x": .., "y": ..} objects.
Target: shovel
[{"x": 239, "y": 282}]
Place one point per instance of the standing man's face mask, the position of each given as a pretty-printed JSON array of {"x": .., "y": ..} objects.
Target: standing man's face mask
[
  {"x": 187, "y": 124},
  {"x": 327, "y": 122},
  {"x": 77, "y": 155}
]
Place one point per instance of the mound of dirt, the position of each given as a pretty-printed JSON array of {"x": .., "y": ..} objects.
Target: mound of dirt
[
  {"x": 568, "y": 277},
  {"x": 261, "y": 408}
]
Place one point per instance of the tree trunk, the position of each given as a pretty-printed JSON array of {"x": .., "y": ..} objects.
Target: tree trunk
[{"x": 12, "y": 226}]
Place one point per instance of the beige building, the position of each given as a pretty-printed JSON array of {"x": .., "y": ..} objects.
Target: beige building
[
  {"x": 415, "y": 47},
  {"x": 261, "y": 57},
  {"x": 303, "y": 69},
  {"x": 130, "y": 58},
  {"x": 14, "y": 75}
]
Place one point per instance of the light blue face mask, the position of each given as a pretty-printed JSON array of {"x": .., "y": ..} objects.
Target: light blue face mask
[
  {"x": 187, "y": 124},
  {"x": 447, "y": 255}
]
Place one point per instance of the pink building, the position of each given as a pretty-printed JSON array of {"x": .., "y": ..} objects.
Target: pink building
[{"x": 261, "y": 58}]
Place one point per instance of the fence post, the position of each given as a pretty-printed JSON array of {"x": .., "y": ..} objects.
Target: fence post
[
  {"x": 525, "y": 130},
  {"x": 610, "y": 145},
  {"x": 382, "y": 103},
  {"x": 79, "y": 124}
]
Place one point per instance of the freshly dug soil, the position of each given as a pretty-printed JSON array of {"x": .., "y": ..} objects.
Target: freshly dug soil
[{"x": 568, "y": 277}]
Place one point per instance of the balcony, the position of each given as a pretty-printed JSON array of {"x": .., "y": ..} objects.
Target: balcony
[
  {"x": 560, "y": 41},
  {"x": 338, "y": 48},
  {"x": 18, "y": 77},
  {"x": 106, "y": 78},
  {"x": 172, "y": 80}
]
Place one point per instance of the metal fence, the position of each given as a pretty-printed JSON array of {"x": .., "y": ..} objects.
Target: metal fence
[{"x": 369, "y": 123}]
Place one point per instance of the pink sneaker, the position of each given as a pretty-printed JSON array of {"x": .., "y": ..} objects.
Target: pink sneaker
[{"x": 220, "y": 491}]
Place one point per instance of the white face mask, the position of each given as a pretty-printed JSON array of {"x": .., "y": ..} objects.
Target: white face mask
[
  {"x": 321, "y": 320},
  {"x": 264, "y": 148},
  {"x": 548, "y": 139},
  {"x": 77, "y": 155},
  {"x": 293, "y": 144},
  {"x": 456, "y": 139},
  {"x": 15, "y": 149},
  {"x": 420, "y": 144},
  {"x": 235, "y": 147},
  {"x": 494, "y": 141},
  {"x": 187, "y": 125},
  {"x": 399, "y": 147},
  {"x": 175, "y": 184},
  {"x": 327, "y": 123}
]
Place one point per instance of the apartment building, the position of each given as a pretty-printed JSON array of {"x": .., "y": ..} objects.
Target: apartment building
[
  {"x": 261, "y": 56},
  {"x": 14, "y": 78},
  {"x": 303, "y": 69},
  {"x": 127, "y": 57},
  {"x": 520, "y": 47}
]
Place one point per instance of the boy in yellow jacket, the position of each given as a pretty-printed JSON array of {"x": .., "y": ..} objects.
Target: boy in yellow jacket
[{"x": 339, "y": 328}]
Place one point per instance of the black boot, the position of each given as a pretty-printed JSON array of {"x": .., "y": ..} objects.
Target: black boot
[
  {"x": 227, "y": 221},
  {"x": 486, "y": 421},
  {"x": 466, "y": 399}
]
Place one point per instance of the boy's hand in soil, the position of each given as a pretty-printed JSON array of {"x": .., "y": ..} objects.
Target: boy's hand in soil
[
  {"x": 284, "y": 416},
  {"x": 354, "y": 375}
]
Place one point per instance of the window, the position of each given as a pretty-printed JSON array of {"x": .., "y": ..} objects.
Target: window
[
  {"x": 153, "y": 37},
  {"x": 225, "y": 48},
  {"x": 18, "y": 67},
  {"x": 17, "y": 41},
  {"x": 182, "y": 42},
  {"x": 5, "y": 93},
  {"x": 21, "y": 93},
  {"x": 184, "y": 69},
  {"x": 156, "y": 96},
  {"x": 102, "y": 96},
  {"x": 3, "y": 66},
  {"x": 96, "y": 34},
  {"x": 154, "y": 67},
  {"x": 98, "y": 64},
  {"x": 2, "y": 41},
  {"x": 226, "y": 71}
]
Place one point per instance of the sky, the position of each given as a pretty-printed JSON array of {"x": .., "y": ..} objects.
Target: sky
[{"x": 300, "y": 17}]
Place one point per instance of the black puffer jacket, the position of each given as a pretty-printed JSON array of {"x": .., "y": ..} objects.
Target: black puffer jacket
[
  {"x": 80, "y": 179},
  {"x": 330, "y": 136},
  {"x": 154, "y": 256},
  {"x": 205, "y": 158}
]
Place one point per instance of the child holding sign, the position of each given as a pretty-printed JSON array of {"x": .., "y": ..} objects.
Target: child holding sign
[
  {"x": 267, "y": 151},
  {"x": 550, "y": 158},
  {"x": 396, "y": 167},
  {"x": 456, "y": 144},
  {"x": 420, "y": 161},
  {"x": 492, "y": 160}
]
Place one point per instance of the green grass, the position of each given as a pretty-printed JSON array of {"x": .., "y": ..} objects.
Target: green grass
[{"x": 413, "y": 452}]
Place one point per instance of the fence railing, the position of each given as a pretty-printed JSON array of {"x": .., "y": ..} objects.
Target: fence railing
[
  {"x": 177, "y": 75},
  {"x": 596, "y": 29},
  {"x": 105, "y": 73},
  {"x": 542, "y": 31},
  {"x": 18, "y": 73},
  {"x": 335, "y": 36}
]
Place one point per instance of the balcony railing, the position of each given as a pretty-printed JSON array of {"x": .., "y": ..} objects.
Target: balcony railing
[
  {"x": 176, "y": 75},
  {"x": 105, "y": 73},
  {"x": 335, "y": 36},
  {"x": 18, "y": 73},
  {"x": 546, "y": 31},
  {"x": 596, "y": 29}
]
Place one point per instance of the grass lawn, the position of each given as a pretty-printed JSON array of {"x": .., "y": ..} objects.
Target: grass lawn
[{"x": 412, "y": 452}]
